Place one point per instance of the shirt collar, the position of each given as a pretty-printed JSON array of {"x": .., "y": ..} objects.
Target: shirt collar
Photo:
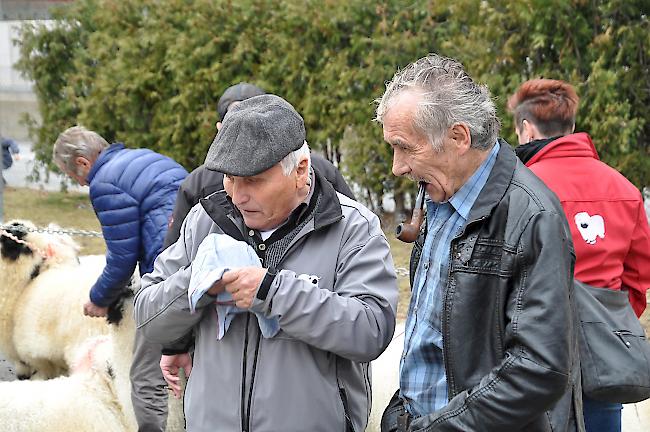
[{"x": 464, "y": 198}]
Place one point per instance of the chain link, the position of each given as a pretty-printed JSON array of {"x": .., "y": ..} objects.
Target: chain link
[
  {"x": 68, "y": 231},
  {"x": 401, "y": 271},
  {"x": 32, "y": 246}
]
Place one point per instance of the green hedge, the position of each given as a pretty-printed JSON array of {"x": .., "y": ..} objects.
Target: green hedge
[{"x": 149, "y": 72}]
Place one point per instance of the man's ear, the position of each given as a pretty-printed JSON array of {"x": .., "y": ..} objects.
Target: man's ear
[
  {"x": 461, "y": 137},
  {"x": 302, "y": 173},
  {"x": 82, "y": 162}
]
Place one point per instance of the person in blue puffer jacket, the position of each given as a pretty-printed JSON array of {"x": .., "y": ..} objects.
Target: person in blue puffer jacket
[{"x": 133, "y": 192}]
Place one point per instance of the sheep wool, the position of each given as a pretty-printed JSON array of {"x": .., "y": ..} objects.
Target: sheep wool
[
  {"x": 41, "y": 306},
  {"x": 83, "y": 401}
]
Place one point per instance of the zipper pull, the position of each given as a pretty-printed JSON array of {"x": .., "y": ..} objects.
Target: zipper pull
[{"x": 620, "y": 334}]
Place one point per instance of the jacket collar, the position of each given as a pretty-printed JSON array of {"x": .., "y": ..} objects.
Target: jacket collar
[
  {"x": 221, "y": 210},
  {"x": 572, "y": 145},
  {"x": 497, "y": 183},
  {"x": 526, "y": 151},
  {"x": 103, "y": 158}
]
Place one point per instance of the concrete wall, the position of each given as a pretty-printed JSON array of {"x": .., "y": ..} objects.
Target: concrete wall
[{"x": 16, "y": 96}]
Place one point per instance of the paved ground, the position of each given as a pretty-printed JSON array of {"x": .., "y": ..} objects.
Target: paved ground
[
  {"x": 636, "y": 417},
  {"x": 6, "y": 371}
]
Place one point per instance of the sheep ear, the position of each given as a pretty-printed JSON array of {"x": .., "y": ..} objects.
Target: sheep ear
[{"x": 50, "y": 252}]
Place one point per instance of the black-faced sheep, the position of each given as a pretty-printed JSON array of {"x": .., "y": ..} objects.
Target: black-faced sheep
[{"x": 43, "y": 287}]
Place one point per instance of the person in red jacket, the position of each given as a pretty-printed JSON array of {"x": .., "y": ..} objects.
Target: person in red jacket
[{"x": 605, "y": 211}]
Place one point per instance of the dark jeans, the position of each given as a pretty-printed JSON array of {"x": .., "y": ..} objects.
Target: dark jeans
[
  {"x": 601, "y": 416},
  {"x": 395, "y": 417}
]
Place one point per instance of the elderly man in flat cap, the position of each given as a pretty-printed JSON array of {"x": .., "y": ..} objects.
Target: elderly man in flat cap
[
  {"x": 202, "y": 181},
  {"x": 287, "y": 285}
]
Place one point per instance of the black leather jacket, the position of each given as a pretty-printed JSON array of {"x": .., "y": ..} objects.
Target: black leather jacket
[{"x": 508, "y": 318}]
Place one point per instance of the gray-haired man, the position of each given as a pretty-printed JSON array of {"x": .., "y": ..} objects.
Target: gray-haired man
[
  {"x": 326, "y": 281},
  {"x": 490, "y": 339}
]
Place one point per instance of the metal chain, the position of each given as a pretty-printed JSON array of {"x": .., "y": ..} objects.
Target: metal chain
[
  {"x": 401, "y": 271},
  {"x": 32, "y": 246},
  {"x": 68, "y": 231}
]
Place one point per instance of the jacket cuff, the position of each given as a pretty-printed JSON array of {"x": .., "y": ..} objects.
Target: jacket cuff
[
  {"x": 265, "y": 286},
  {"x": 99, "y": 300}
]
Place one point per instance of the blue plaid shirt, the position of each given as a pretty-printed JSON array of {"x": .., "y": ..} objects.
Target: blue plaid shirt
[{"x": 423, "y": 382}]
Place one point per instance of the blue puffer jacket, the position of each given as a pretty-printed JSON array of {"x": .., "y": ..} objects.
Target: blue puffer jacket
[{"x": 133, "y": 194}]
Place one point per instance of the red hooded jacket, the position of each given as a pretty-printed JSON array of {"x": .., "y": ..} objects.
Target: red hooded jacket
[{"x": 606, "y": 215}]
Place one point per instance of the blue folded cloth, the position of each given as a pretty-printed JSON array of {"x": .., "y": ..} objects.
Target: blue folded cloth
[{"x": 217, "y": 254}]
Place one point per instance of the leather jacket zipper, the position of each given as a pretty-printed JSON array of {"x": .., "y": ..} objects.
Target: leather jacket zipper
[{"x": 451, "y": 386}]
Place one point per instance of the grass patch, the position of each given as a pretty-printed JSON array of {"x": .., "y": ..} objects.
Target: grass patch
[
  {"x": 66, "y": 209},
  {"x": 73, "y": 210},
  {"x": 401, "y": 256}
]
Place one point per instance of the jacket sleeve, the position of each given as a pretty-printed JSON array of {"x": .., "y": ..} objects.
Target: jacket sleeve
[
  {"x": 162, "y": 309},
  {"x": 361, "y": 305},
  {"x": 119, "y": 216},
  {"x": 13, "y": 147},
  {"x": 186, "y": 197},
  {"x": 538, "y": 342},
  {"x": 636, "y": 267},
  {"x": 340, "y": 185}
]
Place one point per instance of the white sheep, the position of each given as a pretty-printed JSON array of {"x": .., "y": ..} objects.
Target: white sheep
[
  {"x": 43, "y": 288},
  {"x": 385, "y": 378},
  {"x": 84, "y": 401},
  {"x": 99, "y": 385},
  {"x": 42, "y": 326}
]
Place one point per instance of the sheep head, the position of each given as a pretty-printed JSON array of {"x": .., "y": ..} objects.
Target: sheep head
[
  {"x": 19, "y": 263},
  {"x": 53, "y": 248}
]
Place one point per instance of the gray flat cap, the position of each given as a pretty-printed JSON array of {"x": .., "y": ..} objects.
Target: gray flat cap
[
  {"x": 236, "y": 93},
  {"x": 256, "y": 134}
]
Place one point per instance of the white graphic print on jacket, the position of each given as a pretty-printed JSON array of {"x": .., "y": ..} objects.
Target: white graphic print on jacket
[{"x": 590, "y": 227}]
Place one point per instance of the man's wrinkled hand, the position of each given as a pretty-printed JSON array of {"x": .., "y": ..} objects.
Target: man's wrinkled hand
[
  {"x": 92, "y": 310},
  {"x": 242, "y": 283},
  {"x": 170, "y": 365}
]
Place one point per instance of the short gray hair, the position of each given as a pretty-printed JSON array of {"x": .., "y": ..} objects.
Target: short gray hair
[
  {"x": 449, "y": 96},
  {"x": 290, "y": 162},
  {"x": 74, "y": 142}
]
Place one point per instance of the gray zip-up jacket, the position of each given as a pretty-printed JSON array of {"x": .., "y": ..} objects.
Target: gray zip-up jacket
[{"x": 312, "y": 376}]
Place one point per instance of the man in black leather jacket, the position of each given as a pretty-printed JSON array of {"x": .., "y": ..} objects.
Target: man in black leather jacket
[{"x": 490, "y": 341}]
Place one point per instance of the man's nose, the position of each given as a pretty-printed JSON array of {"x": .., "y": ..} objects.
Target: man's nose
[
  {"x": 239, "y": 195},
  {"x": 399, "y": 167}
]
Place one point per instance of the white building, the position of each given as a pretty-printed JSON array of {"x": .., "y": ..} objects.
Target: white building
[{"x": 16, "y": 96}]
